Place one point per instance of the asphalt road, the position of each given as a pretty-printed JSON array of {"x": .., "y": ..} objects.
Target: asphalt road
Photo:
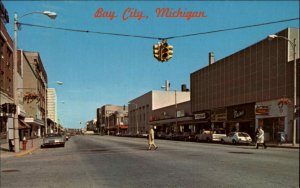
[{"x": 108, "y": 161}]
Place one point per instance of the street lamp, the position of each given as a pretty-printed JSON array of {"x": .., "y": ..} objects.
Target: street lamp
[
  {"x": 136, "y": 117},
  {"x": 51, "y": 15},
  {"x": 167, "y": 88},
  {"x": 293, "y": 44}
]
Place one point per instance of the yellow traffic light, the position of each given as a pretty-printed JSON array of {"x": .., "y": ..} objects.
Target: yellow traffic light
[
  {"x": 166, "y": 52},
  {"x": 156, "y": 51}
]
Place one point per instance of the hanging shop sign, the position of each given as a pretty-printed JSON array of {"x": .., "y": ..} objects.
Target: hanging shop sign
[
  {"x": 238, "y": 113},
  {"x": 262, "y": 110},
  {"x": 241, "y": 112},
  {"x": 200, "y": 116},
  {"x": 219, "y": 115},
  {"x": 180, "y": 113}
]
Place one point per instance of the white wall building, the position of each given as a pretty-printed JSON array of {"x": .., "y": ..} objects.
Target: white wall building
[
  {"x": 140, "y": 109},
  {"x": 52, "y": 104}
]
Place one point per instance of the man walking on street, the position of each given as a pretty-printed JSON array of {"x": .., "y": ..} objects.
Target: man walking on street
[
  {"x": 151, "y": 139},
  {"x": 260, "y": 138}
]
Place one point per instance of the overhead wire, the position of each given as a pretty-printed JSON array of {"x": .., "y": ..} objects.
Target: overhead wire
[{"x": 157, "y": 38}]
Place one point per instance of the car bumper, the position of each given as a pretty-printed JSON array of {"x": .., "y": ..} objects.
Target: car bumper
[
  {"x": 245, "y": 141},
  {"x": 53, "y": 144}
]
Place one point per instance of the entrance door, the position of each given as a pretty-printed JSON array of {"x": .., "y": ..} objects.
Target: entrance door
[{"x": 271, "y": 128}]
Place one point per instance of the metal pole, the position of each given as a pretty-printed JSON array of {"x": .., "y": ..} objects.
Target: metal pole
[
  {"x": 46, "y": 131},
  {"x": 176, "y": 108},
  {"x": 137, "y": 122},
  {"x": 295, "y": 94},
  {"x": 108, "y": 125},
  {"x": 15, "y": 83}
]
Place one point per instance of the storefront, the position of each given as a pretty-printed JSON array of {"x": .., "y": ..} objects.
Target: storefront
[
  {"x": 202, "y": 120},
  {"x": 241, "y": 118},
  {"x": 276, "y": 117},
  {"x": 35, "y": 127},
  {"x": 218, "y": 118}
]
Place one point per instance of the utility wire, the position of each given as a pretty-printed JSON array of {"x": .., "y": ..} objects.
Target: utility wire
[
  {"x": 157, "y": 38},
  {"x": 86, "y": 31},
  {"x": 234, "y": 28}
]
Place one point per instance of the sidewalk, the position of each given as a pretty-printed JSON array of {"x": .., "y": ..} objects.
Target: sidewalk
[
  {"x": 284, "y": 145},
  {"x": 31, "y": 146}
]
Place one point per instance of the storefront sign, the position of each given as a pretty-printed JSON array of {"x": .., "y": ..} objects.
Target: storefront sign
[
  {"x": 200, "y": 116},
  {"x": 262, "y": 110},
  {"x": 180, "y": 113},
  {"x": 238, "y": 113},
  {"x": 219, "y": 115}
]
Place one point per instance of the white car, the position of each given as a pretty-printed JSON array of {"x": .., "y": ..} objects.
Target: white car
[
  {"x": 53, "y": 139},
  {"x": 211, "y": 135},
  {"x": 237, "y": 138}
]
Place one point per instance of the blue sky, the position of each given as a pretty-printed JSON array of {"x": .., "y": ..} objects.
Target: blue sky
[{"x": 102, "y": 69}]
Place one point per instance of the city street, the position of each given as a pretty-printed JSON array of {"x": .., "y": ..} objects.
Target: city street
[{"x": 109, "y": 161}]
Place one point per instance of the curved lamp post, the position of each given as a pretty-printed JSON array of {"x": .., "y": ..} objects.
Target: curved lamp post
[
  {"x": 293, "y": 44},
  {"x": 51, "y": 15}
]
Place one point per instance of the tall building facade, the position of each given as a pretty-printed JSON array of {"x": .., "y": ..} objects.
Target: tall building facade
[
  {"x": 112, "y": 119},
  {"x": 52, "y": 104},
  {"x": 6, "y": 73},
  {"x": 35, "y": 82},
  {"x": 255, "y": 83}
]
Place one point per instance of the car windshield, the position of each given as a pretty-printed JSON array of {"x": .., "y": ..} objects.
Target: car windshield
[
  {"x": 53, "y": 135},
  {"x": 243, "y": 135}
]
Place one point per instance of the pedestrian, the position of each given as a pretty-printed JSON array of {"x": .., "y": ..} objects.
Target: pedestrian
[
  {"x": 151, "y": 139},
  {"x": 260, "y": 138}
]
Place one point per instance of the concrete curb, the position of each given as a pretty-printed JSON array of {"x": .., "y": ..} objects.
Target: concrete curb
[
  {"x": 287, "y": 147},
  {"x": 22, "y": 153}
]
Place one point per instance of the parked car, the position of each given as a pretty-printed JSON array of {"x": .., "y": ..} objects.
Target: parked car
[
  {"x": 54, "y": 139},
  {"x": 169, "y": 136},
  {"x": 161, "y": 135},
  {"x": 186, "y": 136},
  {"x": 211, "y": 135},
  {"x": 237, "y": 138},
  {"x": 68, "y": 136},
  {"x": 177, "y": 136}
]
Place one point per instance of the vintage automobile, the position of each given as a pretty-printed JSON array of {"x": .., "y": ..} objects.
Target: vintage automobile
[
  {"x": 53, "y": 139},
  {"x": 211, "y": 135},
  {"x": 237, "y": 138}
]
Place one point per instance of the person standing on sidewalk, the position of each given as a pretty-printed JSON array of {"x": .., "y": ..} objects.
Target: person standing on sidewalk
[
  {"x": 151, "y": 139},
  {"x": 260, "y": 138}
]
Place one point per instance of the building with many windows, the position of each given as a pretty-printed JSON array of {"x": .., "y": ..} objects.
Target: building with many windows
[
  {"x": 52, "y": 104},
  {"x": 112, "y": 119},
  {"x": 34, "y": 92},
  {"x": 6, "y": 75}
]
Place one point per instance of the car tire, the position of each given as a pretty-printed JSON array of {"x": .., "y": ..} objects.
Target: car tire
[
  {"x": 207, "y": 139},
  {"x": 222, "y": 141},
  {"x": 233, "y": 141}
]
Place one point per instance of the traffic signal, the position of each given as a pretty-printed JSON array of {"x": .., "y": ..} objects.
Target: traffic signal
[
  {"x": 166, "y": 52},
  {"x": 9, "y": 108},
  {"x": 156, "y": 51},
  {"x": 12, "y": 108},
  {"x": 5, "y": 107}
]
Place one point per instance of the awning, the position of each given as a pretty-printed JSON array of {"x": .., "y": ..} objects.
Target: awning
[
  {"x": 35, "y": 122},
  {"x": 122, "y": 126},
  {"x": 23, "y": 125},
  {"x": 173, "y": 120}
]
